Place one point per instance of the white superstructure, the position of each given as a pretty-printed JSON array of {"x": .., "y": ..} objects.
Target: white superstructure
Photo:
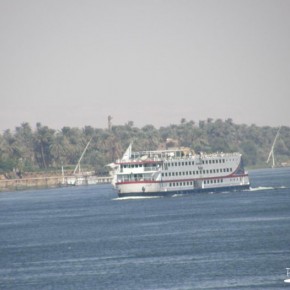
[{"x": 177, "y": 171}]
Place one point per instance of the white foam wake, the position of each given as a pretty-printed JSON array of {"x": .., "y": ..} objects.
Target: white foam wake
[
  {"x": 135, "y": 197},
  {"x": 266, "y": 188},
  {"x": 261, "y": 188}
]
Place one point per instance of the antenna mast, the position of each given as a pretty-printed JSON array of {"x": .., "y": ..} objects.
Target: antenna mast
[{"x": 272, "y": 150}]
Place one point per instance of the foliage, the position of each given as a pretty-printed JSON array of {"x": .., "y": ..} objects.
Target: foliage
[{"x": 44, "y": 148}]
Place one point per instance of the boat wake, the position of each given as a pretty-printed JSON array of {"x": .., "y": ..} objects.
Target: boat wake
[
  {"x": 179, "y": 195},
  {"x": 266, "y": 188},
  {"x": 135, "y": 197}
]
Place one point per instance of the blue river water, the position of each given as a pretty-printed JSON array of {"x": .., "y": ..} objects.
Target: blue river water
[{"x": 87, "y": 238}]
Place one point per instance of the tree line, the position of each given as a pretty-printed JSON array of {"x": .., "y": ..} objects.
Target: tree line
[{"x": 43, "y": 148}]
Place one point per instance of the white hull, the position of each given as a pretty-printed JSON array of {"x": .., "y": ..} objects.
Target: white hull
[{"x": 181, "y": 186}]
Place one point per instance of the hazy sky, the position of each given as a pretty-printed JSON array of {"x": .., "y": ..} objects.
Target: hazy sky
[{"x": 73, "y": 63}]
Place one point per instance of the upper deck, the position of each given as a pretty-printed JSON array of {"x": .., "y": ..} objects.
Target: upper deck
[{"x": 171, "y": 154}]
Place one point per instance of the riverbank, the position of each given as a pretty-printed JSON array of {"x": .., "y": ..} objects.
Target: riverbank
[
  {"x": 45, "y": 181},
  {"x": 29, "y": 183}
]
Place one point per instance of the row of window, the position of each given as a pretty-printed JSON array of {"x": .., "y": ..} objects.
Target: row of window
[
  {"x": 207, "y": 171},
  {"x": 139, "y": 165},
  {"x": 185, "y": 163},
  {"x": 210, "y": 181},
  {"x": 172, "y": 164},
  {"x": 188, "y": 183}
]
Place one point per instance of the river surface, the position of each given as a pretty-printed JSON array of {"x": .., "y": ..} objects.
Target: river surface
[{"x": 87, "y": 238}]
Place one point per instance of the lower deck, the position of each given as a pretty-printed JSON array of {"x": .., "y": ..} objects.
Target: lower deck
[{"x": 185, "y": 191}]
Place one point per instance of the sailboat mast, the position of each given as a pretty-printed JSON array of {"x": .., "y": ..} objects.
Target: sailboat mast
[
  {"x": 272, "y": 149},
  {"x": 78, "y": 166}
]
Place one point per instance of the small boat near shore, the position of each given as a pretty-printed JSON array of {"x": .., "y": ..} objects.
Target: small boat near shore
[{"x": 78, "y": 177}]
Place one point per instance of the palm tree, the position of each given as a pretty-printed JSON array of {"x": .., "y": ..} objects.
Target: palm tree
[
  {"x": 24, "y": 138},
  {"x": 42, "y": 144}
]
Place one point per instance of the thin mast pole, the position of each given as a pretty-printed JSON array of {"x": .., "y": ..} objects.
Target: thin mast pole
[
  {"x": 79, "y": 162},
  {"x": 272, "y": 149}
]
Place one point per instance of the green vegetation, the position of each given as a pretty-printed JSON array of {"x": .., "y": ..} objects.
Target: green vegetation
[{"x": 42, "y": 149}]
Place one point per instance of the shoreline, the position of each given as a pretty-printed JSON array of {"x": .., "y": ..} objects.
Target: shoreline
[{"x": 45, "y": 182}]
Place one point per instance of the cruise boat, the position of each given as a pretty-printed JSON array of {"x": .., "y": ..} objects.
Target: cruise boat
[{"x": 177, "y": 171}]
